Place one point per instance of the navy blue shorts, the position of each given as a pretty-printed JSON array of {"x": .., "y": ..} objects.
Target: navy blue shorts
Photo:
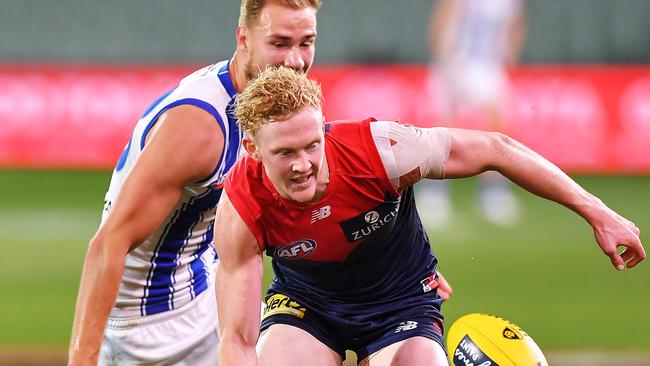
[{"x": 363, "y": 329}]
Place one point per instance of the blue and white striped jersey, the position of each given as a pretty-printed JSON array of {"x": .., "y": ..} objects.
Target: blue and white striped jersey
[{"x": 176, "y": 263}]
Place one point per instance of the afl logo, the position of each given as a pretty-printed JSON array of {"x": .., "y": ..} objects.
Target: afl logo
[
  {"x": 372, "y": 217},
  {"x": 296, "y": 249}
]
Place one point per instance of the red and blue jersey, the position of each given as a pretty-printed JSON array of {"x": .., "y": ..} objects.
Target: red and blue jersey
[{"x": 361, "y": 243}]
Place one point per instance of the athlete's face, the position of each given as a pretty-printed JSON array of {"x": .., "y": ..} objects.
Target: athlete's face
[
  {"x": 282, "y": 36},
  {"x": 292, "y": 153}
]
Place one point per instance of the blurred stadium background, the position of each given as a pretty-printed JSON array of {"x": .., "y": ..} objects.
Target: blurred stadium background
[{"x": 75, "y": 75}]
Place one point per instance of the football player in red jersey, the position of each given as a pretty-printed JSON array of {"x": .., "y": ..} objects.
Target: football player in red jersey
[{"x": 332, "y": 204}]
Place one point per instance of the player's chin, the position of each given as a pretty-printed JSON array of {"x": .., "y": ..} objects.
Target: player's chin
[{"x": 302, "y": 194}]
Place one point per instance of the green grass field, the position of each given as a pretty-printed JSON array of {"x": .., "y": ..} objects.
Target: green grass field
[{"x": 546, "y": 273}]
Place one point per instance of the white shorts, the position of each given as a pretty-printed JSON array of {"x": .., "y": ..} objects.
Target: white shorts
[{"x": 185, "y": 336}]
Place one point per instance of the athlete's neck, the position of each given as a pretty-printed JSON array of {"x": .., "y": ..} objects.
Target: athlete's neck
[{"x": 237, "y": 73}]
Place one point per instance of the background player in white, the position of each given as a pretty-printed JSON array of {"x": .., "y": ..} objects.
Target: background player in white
[
  {"x": 298, "y": 166},
  {"x": 147, "y": 292},
  {"x": 473, "y": 42}
]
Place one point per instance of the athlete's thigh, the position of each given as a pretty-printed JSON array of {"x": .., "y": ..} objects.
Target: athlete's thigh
[
  {"x": 415, "y": 351},
  {"x": 284, "y": 345}
]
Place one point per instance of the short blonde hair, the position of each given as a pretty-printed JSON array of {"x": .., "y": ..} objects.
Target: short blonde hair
[
  {"x": 275, "y": 95},
  {"x": 250, "y": 10}
]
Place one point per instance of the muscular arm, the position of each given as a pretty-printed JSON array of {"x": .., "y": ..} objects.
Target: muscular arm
[
  {"x": 183, "y": 147},
  {"x": 239, "y": 284},
  {"x": 473, "y": 152},
  {"x": 410, "y": 153}
]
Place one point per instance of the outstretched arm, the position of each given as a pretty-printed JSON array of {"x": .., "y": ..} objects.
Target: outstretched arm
[
  {"x": 146, "y": 199},
  {"x": 473, "y": 152},
  {"x": 239, "y": 284},
  {"x": 410, "y": 154}
]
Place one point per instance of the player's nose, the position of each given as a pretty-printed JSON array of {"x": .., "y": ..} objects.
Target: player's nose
[
  {"x": 300, "y": 165},
  {"x": 293, "y": 59}
]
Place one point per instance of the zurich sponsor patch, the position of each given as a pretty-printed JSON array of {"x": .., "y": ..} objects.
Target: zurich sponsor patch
[
  {"x": 372, "y": 224},
  {"x": 296, "y": 249}
]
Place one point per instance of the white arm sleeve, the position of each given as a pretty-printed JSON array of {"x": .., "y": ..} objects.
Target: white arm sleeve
[{"x": 410, "y": 153}]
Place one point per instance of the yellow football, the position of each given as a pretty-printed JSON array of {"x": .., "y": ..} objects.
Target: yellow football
[{"x": 487, "y": 340}]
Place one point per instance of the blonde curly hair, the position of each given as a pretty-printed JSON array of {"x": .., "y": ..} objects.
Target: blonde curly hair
[
  {"x": 275, "y": 95},
  {"x": 250, "y": 10}
]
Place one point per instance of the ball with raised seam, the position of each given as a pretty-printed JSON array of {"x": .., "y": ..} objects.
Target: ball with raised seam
[{"x": 486, "y": 340}]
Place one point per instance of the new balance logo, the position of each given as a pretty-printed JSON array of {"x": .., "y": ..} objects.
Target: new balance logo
[
  {"x": 321, "y": 213},
  {"x": 406, "y": 326}
]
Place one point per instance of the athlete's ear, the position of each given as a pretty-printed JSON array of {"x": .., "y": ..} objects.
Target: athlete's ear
[
  {"x": 250, "y": 147},
  {"x": 241, "y": 35}
]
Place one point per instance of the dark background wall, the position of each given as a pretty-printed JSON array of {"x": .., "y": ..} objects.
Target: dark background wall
[{"x": 560, "y": 31}]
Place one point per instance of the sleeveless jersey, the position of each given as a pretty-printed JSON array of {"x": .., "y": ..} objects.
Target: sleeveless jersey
[
  {"x": 359, "y": 246},
  {"x": 175, "y": 264}
]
